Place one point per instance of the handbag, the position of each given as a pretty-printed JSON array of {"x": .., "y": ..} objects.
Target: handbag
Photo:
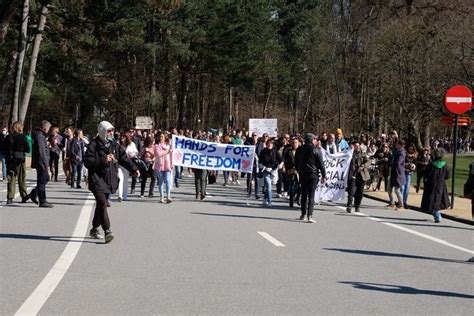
[
  {"x": 142, "y": 166},
  {"x": 211, "y": 179},
  {"x": 18, "y": 156}
]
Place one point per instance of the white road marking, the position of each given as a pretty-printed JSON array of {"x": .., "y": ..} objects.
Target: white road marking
[
  {"x": 40, "y": 295},
  {"x": 271, "y": 239},
  {"x": 411, "y": 231}
]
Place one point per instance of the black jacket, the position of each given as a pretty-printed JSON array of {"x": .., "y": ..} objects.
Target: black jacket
[
  {"x": 309, "y": 160},
  {"x": 15, "y": 146},
  {"x": 289, "y": 159},
  {"x": 40, "y": 151},
  {"x": 269, "y": 158},
  {"x": 103, "y": 175},
  {"x": 77, "y": 149}
]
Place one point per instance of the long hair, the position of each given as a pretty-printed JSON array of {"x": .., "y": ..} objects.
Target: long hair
[{"x": 17, "y": 127}]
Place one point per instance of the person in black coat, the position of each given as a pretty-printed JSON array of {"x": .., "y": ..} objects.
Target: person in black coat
[
  {"x": 290, "y": 169},
  {"x": 435, "y": 192},
  {"x": 101, "y": 159},
  {"x": 16, "y": 148},
  {"x": 269, "y": 160},
  {"x": 309, "y": 164},
  {"x": 397, "y": 176},
  {"x": 40, "y": 162}
]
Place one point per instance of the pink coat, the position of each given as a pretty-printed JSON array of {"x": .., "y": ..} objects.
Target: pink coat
[{"x": 163, "y": 161}]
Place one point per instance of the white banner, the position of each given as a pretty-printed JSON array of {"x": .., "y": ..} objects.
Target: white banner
[
  {"x": 337, "y": 169},
  {"x": 193, "y": 153},
  {"x": 261, "y": 126}
]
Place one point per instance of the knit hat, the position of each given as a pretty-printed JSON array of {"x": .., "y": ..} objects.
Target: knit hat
[
  {"x": 103, "y": 127},
  {"x": 309, "y": 137}
]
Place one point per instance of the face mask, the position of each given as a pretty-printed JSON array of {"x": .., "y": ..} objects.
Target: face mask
[{"x": 110, "y": 138}]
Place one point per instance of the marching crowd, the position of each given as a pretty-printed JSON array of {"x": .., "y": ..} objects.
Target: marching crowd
[{"x": 291, "y": 163}]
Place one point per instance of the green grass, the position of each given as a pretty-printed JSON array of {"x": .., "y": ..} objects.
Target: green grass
[{"x": 462, "y": 173}]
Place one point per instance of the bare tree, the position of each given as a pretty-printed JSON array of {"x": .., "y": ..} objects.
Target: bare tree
[
  {"x": 34, "y": 58},
  {"x": 21, "y": 56}
]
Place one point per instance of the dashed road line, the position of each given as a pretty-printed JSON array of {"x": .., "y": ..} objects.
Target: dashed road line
[{"x": 271, "y": 239}]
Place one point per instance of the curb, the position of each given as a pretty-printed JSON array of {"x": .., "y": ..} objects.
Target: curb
[{"x": 414, "y": 208}]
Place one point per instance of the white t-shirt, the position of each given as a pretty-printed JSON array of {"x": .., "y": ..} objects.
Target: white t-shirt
[{"x": 131, "y": 150}]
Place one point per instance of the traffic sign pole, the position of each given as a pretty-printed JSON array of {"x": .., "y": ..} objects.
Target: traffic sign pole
[{"x": 455, "y": 141}]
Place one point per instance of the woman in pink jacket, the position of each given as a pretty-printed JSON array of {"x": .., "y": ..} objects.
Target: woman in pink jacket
[{"x": 163, "y": 166}]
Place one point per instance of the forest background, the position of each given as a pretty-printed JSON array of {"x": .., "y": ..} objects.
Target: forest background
[{"x": 367, "y": 66}]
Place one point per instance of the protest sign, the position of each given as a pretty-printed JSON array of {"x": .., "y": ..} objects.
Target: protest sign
[
  {"x": 337, "y": 169},
  {"x": 194, "y": 153},
  {"x": 261, "y": 126},
  {"x": 143, "y": 122}
]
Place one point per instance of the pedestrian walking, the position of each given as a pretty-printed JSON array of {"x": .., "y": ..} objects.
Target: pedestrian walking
[
  {"x": 16, "y": 148},
  {"x": 55, "y": 141},
  {"x": 340, "y": 141},
  {"x": 397, "y": 176},
  {"x": 163, "y": 166},
  {"x": 421, "y": 165},
  {"x": 40, "y": 162},
  {"x": 102, "y": 158},
  {"x": 3, "y": 153},
  {"x": 76, "y": 158},
  {"x": 410, "y": 167},
  {"x": 310, "y": 166},
  {"x": 358, "y": 175},
  {"x": 66, "y": 153},
  {"x": 383, "y": 157},
  {"x": 269, "y": 161},
  {"x": 291, "y": 173},
  {"x": 252, "y": 178},
  {"x": 148, "y": 157},
  {"x": 435, "y": 193}
]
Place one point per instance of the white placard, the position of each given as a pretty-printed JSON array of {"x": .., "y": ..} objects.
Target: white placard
[
  {"x": 261, "y": 126},
  {"x": 143, "y": 122},
  {"x": 337, "y": 170}
]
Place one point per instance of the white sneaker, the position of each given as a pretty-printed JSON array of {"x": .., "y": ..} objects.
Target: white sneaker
[
  {"x": 279, "y": 195},
  {"x": 285, "y": 194},
  {"x": 162, "y": 201},
  {"x": 238, "y": 182},
  {"x": 311, "y": 220}
]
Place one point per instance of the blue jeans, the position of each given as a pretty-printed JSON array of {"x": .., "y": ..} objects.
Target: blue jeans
[
  {"x": 406, "y": 188},
  {"x": 250, "y": 177},
  {"x": 4, "y": 165},
  {"x": 76, "y": 173},
  {"x": 226, "y": 177},
  {"x": 164, "y": 177},
  {"x": 177, "y": 175},
  {"x": 437, "y": 215},
  {"x": 267, "y": 178}
]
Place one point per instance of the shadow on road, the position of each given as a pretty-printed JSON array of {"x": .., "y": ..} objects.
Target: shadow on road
[
  {"x": 250, "y": 217},
  {"x": 390, "y": 254},
  {"x": 50, "y": 238},
  {"x": 398, "y": 289}
]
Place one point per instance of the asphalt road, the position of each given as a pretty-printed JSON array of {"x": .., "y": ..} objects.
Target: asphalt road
[{"x": 212, "y": 257}]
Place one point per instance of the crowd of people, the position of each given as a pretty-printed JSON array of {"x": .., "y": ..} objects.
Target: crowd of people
[{"x": 293, "y": 164}]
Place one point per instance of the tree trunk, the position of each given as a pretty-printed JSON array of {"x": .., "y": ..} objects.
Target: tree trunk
[
  {"x": 7, "y": 75},
  {"x": 34, "y": 58},
  {"x": 21, "y": 57},
  {"x": 181, "y": 96}
]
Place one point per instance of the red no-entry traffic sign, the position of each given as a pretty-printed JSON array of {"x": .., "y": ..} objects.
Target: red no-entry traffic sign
[{"x": 458, "y": 100}]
